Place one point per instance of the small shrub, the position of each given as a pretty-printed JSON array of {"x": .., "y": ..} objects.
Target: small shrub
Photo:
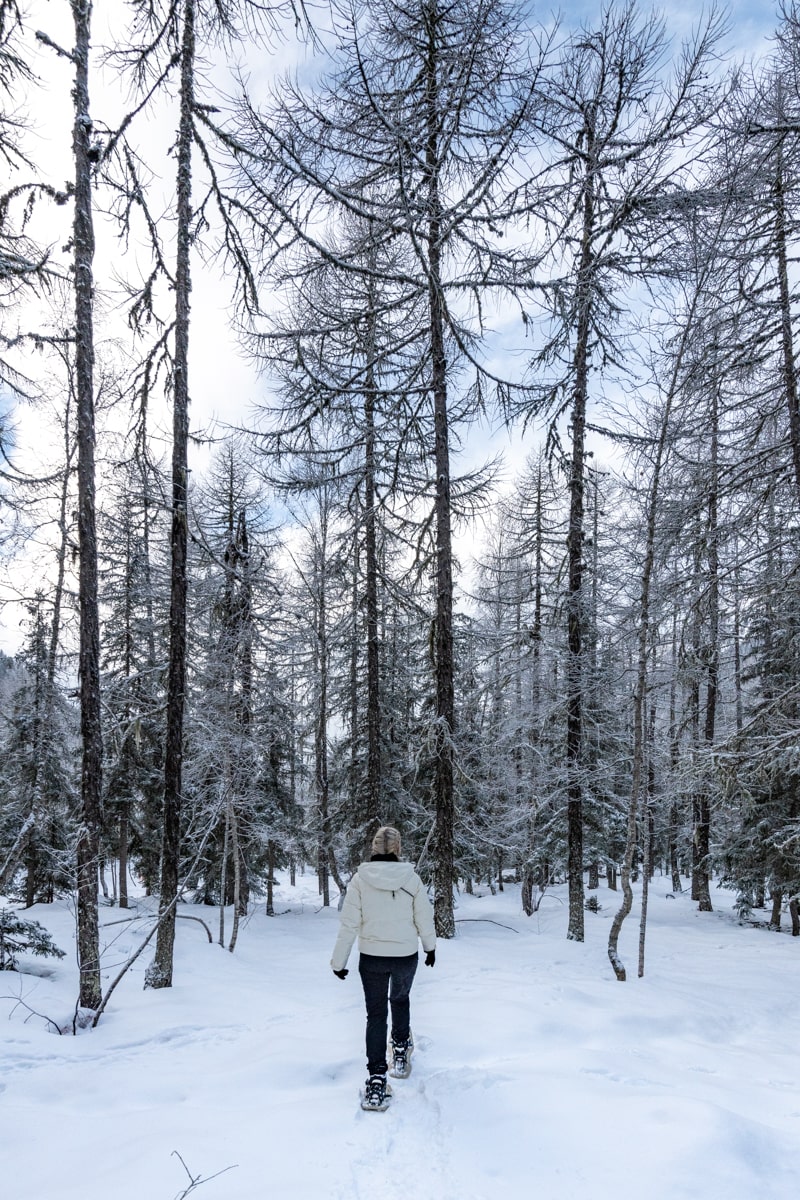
[
  {"x": 591, "y": 905},
  {"x": 23, "y": 937}
]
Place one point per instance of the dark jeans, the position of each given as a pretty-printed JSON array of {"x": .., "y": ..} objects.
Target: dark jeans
[{"x": 378, "y": 975}]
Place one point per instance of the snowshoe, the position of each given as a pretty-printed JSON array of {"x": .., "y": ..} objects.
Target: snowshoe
[
  {"x": 376, "y": 1095},
  {"x": 399, "y": 1054}
]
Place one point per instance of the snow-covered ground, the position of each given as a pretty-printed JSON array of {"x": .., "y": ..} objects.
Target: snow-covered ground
[{"x": 536, "y": 1073}]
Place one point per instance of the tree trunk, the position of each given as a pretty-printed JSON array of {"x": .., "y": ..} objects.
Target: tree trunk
[
  {"x": 124, "y": 834},
  {"x": 354, "y": 781},
  {"x": 643, "y": 646},
  {"x": 271, "y": 878},
  {"x": 777, "y": 904},
  {"x": 527, "y": 891},
  {"x": 159, "y": 973},
  {"x": 103, "y": 883},
  {"x": 373, "y": 797},
  {"x": 648, "y": 835},
  {"x": 321, "y": 724},
  {"x": 236, "y": 854},
  {"x": 223, "y": 875},
  {"x": 445, "y": 702},
  {"x": 737, "y": 643},
  {"x": 575, "y": 615},
  {"x": 703, "y": 833},
  {"x": 787, "y": 341},
  {"x": 674, "y": 814},
  {"x": 89, "y": 653},
  {"x": 674, "y": 867},
  {"x": 694, "y": 719}
]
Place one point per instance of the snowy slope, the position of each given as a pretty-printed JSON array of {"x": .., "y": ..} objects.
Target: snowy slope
[{"x": 536, "y": 1073}]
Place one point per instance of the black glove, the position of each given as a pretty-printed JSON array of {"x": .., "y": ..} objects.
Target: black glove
[
  {"x": 341, "y": 974},
  {"x": 430, "y": 958}
]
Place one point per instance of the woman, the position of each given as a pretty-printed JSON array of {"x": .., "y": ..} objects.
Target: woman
[{"x": 388, "y": 910}]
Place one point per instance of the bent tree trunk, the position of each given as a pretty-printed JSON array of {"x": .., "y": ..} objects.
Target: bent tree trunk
[{"x": 640, "y": 692}]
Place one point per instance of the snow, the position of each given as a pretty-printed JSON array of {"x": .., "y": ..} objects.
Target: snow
[{"x": 534, "y": 1069}]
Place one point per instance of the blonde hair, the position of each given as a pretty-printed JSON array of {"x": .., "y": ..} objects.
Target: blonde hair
[{"x": 386, "y": 841}]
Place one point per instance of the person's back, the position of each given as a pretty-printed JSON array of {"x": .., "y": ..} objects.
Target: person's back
[{"x": 388, "y": 910}]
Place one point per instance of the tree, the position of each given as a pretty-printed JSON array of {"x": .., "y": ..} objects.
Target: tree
[
  {"x": 436, "y": 94},
  {"x": 89, "y": 655},
  {"x": 134, "y": 604},
  {"x": 236, "y": 717},
  {"x": 41, "y": 800},
  {"x": 345, "y": 350},
  {"x": 167, "y": 39},
  {"x": 23, "y": 937},
  {"x": 613, "y": 123}
]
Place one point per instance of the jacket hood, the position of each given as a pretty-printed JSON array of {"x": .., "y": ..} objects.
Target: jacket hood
[{"x": 387, "y": 876}]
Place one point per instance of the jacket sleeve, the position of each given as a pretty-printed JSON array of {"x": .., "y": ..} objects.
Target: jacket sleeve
[
  {"x": 349, "y": 926},
  {"x": 423, "y": 917}
]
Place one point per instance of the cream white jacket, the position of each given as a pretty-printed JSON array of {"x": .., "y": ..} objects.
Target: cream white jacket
[{"x": 388, "y": 910}]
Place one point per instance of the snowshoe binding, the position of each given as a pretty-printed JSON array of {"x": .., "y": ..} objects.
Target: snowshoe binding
[
  {"x": 377, "y": 1094},
  {"x": 399, "y": 1054}
]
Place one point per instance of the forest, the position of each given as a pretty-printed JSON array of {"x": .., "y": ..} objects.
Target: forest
[{"x": 238, "y": 650}]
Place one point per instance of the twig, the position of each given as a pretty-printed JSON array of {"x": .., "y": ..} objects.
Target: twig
[
  {"x": 33, "y": 1013},
  {"x": 197, "y": 1180},
  {"x": 172, "y": 905},
  {"x": 132, "y": 960}
]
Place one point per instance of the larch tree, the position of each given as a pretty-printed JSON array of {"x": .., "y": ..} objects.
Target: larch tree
[
  {"x": 678, "y": 372},
  {"x": 83, "y": 246},
  {"x": 345, "y": 348},
  {"x": 608, "y": 130},
  {"x": 168, "y": 39},
  {"x": 416, "y": 133}
]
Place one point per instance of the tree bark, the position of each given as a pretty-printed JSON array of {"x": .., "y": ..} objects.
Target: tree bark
[
  {"x": 445, "y": 699},
  {"x": 777, "y": 904},
  {"x": 89, "y": 653},
  {"x": 321, "y": 724},
  {"x": 271, "y": 878},
  {"x": 236, "y": 855},
  {"x": 160, "y": 971},
  {"x": 575, "y": 674},
  {"x": 703, "y": 828},
  {"x": 787, "y": 341},
  {"x": 373, "y": 797}
]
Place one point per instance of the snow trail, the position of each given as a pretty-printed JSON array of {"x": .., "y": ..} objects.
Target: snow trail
[{"x": 534, "y": 1069}]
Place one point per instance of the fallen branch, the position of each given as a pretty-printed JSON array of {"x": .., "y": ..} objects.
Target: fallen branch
[
  {"x": 196, "y": 1180},
  {"x": 161, "y": 917},
  {"x": 32, "y": 1012},
  {"x": 200, "y": 921},
  {"x": 152, "y": 917}
]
